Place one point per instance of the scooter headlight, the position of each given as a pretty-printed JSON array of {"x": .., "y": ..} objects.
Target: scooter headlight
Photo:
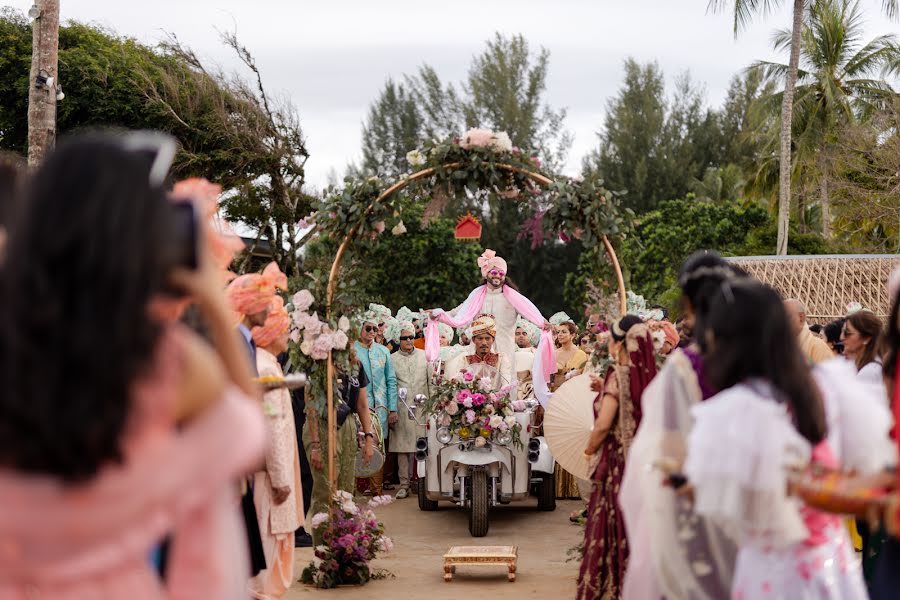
[
  {"x": 504, "y": 438},
  {"x": 444, "y": 436}
]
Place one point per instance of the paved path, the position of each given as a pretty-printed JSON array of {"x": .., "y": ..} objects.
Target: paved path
[{"x": 422, "y": 538}]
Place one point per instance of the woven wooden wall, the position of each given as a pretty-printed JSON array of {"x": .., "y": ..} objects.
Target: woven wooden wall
[{"x": 827, "y": 284}]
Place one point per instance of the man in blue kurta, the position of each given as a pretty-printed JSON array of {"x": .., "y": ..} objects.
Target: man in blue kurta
[{"x": 382, "y": 388}]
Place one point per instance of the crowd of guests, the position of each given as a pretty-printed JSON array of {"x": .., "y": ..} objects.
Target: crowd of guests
[
  {"x": 697, "y": 450},
  {"x": 140, "y": 458}
]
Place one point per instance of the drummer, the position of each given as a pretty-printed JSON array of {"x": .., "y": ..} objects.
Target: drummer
[
  {"x": 352, "y": 392},
  {"x": 484, "y": 333}
]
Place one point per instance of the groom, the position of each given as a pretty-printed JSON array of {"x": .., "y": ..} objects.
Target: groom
[{"x": 504, "y": 304}]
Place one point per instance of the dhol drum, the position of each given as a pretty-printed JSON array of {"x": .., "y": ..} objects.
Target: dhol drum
[{"x": 368, "y": 469}]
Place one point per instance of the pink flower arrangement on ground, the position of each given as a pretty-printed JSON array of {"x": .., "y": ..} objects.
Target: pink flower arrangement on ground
[
  {"x": 351, "y": 538},
  {"x": 469, "y": 408}
]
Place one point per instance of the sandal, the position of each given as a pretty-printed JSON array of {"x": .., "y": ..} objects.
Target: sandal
[{"x": 578, "y": 515}]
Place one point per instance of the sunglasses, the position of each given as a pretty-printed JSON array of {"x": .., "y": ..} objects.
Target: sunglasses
[
  {"x": 370, "y": 328},
  {"x": 497, "y": 273},
  {"x": 406, "y": 338}
]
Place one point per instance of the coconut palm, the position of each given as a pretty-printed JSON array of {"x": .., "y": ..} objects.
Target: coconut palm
[
  {"x": 744, "y": 11},
  {"x": 838, "y": 84}
]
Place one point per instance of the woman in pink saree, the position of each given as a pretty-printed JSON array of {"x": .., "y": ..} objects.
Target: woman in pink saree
[{"x": 618, "y": 413}]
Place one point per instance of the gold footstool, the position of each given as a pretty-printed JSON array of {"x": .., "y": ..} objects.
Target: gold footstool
[{"x": 482, "y": 556}]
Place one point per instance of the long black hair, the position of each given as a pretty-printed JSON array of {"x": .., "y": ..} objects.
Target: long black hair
[
  {"x": 86, "y": 254},
  {"x": 699, "y": 280},
  {"x": 749, "y": 336}
]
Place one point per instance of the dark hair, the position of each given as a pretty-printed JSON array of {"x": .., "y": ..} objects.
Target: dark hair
[
  {"x": 868, "y": 325},
  {"x": 748, "y": 324},
  {"x": 700, "y": 279},
  {"x": 12, "y": 171},
  {"x": 573, "y": 329},
  {"x": 624, "y": 324},
  {"x": 88, "y": 252},
  {"x": 833, "y": 333},
  {"x": 817, "y": 328}
]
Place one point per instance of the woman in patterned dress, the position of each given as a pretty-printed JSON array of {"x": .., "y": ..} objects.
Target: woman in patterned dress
[{"x": 618, "y": 412}]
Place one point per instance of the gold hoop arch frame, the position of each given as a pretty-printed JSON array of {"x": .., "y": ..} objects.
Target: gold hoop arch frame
[{"x": 342, "y": 249}]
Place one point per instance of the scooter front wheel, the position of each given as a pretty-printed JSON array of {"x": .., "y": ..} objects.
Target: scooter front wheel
[{"x": 479, "y": 504}]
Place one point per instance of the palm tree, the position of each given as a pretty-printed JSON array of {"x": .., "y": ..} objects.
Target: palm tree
[
  {"x": 744, "y": 10},
  {"x": 837, "y": 86}
]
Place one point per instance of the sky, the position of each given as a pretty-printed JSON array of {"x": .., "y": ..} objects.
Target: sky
[{"x": 330, "y": 58}]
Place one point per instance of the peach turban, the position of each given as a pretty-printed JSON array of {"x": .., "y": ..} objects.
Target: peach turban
[
  {"x": 484, "y": 324},
  {"x": 489, "y": 260},
  {"x": 276, "y": 324},
  {"x": 671, "y": 333},
  {"x": 253, "y": 293}
]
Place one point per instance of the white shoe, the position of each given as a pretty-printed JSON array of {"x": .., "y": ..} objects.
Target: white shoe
[{"x": 402, "y": 493}]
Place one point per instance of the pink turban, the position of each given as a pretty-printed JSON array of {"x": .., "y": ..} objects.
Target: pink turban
[
  {"x": 671, "y": 333},
  {"x": 253, "y": 293},
  {"x": 276, "y": 324},
  {"x": 489, "y": 260}
]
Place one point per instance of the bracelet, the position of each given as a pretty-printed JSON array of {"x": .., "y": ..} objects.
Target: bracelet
[{"x": 370, "y": 434}]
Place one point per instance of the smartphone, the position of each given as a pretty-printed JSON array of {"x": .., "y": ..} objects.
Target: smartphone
[{"x": 185, "y": 235}]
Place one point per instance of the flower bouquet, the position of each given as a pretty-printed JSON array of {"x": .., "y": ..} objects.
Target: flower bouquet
[
  {"x": 313, "y": 340},
  {"x": 468, "y": 407},
  {"x": 351, "y": 537}
]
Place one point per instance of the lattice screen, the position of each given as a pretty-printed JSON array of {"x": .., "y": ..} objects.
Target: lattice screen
[{"x": 827, "y": 284}]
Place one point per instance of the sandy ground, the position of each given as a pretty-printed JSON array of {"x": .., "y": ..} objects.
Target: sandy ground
[{"x": 422, "y": 538}]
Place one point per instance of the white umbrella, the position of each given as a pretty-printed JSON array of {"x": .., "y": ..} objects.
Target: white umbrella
[{"x": 568, "y": 423}]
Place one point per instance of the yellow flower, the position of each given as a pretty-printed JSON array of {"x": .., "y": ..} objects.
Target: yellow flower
[
  {"x": 465, "y": 432},
  {"x": 485, "y": 433}
]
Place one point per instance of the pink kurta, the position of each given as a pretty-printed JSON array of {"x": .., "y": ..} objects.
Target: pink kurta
[
  {"x": 93, "y": 541},
  {"x": 277, "y": 523}
]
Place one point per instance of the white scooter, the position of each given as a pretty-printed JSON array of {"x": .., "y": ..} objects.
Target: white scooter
[{"x": 455, "y": 470}]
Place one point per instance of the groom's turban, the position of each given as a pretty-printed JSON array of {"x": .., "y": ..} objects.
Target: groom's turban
[
  {"x": 489, "y": 260},
  {"x": 484, "y": 324}
]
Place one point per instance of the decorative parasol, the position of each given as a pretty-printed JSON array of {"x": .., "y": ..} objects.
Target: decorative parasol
[{"x": 568, "y": 424}]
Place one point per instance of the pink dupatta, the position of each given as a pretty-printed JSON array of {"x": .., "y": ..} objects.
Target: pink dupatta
[{"x": 545, "y": 356}]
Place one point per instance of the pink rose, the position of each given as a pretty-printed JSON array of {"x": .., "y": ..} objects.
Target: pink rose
[
  {"x": 379, "y": 226},
  {"x": 518, "y": 405},
  {"x": 470, "y": 416},
  {"x": 302, "y": 300},
  {"x": 468, "y": 377},
  {"x": 452, "y": 408},
  {"x": 477, "y": 399},
  {"x": 480, "y": 442},
  {"x": 467, "y": 403},
  {"x": 446, "y": 420},
  {"x": 340, "y": 340},
  {"x": 464, "y": 395}
]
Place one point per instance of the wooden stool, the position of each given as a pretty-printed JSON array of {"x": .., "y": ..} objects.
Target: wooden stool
[{"x": 484, "y": 556}]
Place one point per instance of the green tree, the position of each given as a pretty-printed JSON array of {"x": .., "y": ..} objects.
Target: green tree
[
  {"x": 744, "y": 10},
  {"x": 393, "y": 127},
  {"x": 652, "y": 147},
  {"x": 839, "y": 84}
]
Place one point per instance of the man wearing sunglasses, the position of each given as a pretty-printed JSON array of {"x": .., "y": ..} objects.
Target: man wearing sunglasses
[
  {"x": 382, "y": 388},
  {"x": 413, "y": 374},
  {"x": 505, "y": 304}
]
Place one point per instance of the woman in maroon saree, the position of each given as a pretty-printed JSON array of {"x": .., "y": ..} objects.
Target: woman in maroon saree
[{"x": 617, "y": 411}]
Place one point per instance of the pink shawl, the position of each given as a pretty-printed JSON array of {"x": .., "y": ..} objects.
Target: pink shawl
[{"x": 545, "y": 356}]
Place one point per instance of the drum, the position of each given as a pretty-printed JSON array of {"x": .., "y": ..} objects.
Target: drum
[{"x": 364, "y": 469}]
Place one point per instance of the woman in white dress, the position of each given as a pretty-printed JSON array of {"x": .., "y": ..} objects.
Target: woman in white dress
[{"x": 769, "y": 416}]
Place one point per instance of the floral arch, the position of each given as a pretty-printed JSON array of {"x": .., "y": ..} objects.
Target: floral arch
[{"x": 479, "y": 161}]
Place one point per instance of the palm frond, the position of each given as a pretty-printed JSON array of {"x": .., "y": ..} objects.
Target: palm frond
[{"x": 744, "y": 10}]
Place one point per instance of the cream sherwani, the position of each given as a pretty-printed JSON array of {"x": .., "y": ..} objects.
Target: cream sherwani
[
  {"x": 496, "y": 305},
  {"x": 277, "y": 522},
  {"x": 412, "y": 372}
]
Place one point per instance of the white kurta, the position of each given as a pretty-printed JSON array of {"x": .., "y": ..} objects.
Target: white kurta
[
  {"x": 496, "y": 305},
  {"x": 412, "y": 372}
]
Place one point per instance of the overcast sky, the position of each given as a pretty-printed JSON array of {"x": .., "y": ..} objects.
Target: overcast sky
[{"x": 331, "y": 57}]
